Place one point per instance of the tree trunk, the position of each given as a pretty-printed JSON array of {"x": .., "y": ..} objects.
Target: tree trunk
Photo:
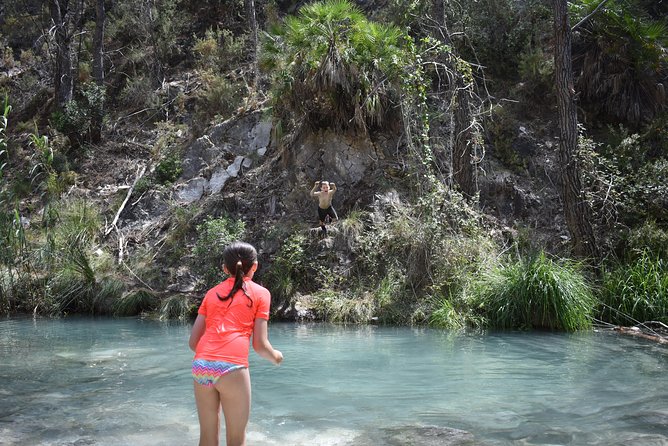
[
  {"x": 63, "y": 80},
  {"x": 462, "y": 159},
  {"x": 252, "y": 23},
  {"x": 98, "y": 69},
  {"x": 576, "y": 208}
]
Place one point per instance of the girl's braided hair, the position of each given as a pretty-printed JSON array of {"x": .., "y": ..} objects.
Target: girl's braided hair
[{"x": 238, "y": 258}]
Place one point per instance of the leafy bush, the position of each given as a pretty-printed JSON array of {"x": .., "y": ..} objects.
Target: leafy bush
[
  {"x": 499, "y": 34},
  {"x": 213, "y": 236},
  {"x": 334, "y": 67},
  {"x": 139, "y": 93},
  {"x": 135, "y": 303},
  {"x": 648, "y": 239},
  {"x": 636, "y": 292},
  {"x": 621, "y": 55},
  {"x": 290, "y": 267},
  {"x": 534, "y": 293},
  {"x": 219, "y": 49},
  {"x": 169, "y": 169},
  {"x": 75, "y": 119},
  {"x": 177, "y": 306},
  {"x": 343, "y": 308}
]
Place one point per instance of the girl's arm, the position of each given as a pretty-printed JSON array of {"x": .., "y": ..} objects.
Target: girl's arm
[
  {"x": 262, "y": 345},
  {"x": 198, "y": 330}
]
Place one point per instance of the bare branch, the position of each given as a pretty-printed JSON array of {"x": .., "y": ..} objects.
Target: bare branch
[{"x": 589, "y": 16}]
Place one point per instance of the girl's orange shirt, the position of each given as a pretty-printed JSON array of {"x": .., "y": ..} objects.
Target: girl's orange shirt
[{"x": 230, "y": 323}]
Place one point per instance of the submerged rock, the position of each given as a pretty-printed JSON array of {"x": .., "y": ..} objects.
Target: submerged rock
[{"x": 417, "y": 435}]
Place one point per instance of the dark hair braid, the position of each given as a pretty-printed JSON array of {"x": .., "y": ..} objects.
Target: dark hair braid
[{"x": 238, "y": 258}]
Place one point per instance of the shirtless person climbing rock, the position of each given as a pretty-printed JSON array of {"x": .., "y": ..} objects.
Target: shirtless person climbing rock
[{"x": 325, "y": 208}]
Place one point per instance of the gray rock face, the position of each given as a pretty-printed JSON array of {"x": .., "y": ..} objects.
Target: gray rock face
[
  {"x": 218, "y": 180},
  {"x": 244, "y": 138},
  {"x": 344, "y": 159},
  {"x": 191, "y": 191},
  {"x": 201, "y": 154}
]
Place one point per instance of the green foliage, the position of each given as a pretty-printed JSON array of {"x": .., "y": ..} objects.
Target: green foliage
[
  {"x": 135, "y": 303},
  {"x": 75, "y": 119},
  {"x": 648, "y": 239},
  {"x": 501, "y": 34},
  {"x": 139, "y": 93},
  {"x": 636, "y": 291},
  {"x": 219, "y": 52},
  {"x": 621, "y": 55},
  {"x": 219, "y": 49},
  {"x": 151, "y": 30},
  {"x": 51, "y": 269},
  {"x": 503, "y": 129},
  {"x": 537, "y": 73},
  {"x": 290, "y": 267},
  {"x": 343, "y": 308},
  {"x": 178, "y": 307},
  {"x": 335, "y": 68},
  {"x": 213, "y": 236},
  {"x": 534, "y": 293},
  {"x": 169, "y": 169},
  {"x": 448, "y": 317}
]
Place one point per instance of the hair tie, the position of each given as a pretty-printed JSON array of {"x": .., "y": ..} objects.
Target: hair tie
[{"x": 239, "y": 263}]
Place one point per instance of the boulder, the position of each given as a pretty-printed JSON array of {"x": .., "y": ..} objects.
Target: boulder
[{"x": 191, "y": 191}]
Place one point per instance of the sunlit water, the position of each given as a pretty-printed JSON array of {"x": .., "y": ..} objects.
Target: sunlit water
[{"x": 127, "y": 382}]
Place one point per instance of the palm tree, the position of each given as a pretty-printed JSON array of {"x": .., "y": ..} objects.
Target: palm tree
[
  {"x": 334, "y": 68},
  {"x": 621, "y": 62}
]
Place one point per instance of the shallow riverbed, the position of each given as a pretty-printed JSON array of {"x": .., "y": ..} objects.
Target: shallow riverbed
[{"x": 79, "y": 381}]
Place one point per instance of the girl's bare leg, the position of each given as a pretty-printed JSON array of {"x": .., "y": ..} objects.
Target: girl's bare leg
[
  {"x": 234, "y": 390},
  {"x": 208, "y": 411}
]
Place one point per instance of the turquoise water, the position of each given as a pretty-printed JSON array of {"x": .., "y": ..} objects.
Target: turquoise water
[{"x": 126, "y": 382}]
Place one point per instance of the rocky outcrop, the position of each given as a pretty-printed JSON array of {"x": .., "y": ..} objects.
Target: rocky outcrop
[{"x": 223, "y": 153}]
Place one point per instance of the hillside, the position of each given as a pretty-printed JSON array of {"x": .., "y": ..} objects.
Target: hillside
[{"x": 438, "y": 124}]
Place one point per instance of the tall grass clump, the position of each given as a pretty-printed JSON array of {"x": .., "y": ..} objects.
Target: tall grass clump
[
  {"x": 636, "y": 291},
  {"x": 177, "y": 306},
  {"x": 535, "y": 293},
  {"x": 134, "y": 303}
]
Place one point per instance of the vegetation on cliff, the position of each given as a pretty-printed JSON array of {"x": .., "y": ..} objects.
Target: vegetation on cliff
[{"x": 448, "y": 223}]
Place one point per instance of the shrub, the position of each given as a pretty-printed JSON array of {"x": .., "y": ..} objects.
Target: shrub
[
  {"x": 139, "y": 93},
  {"x": 213, "y": 236},
  {"x": 135, "y": 303},
  {"x": 289, "y": 269},
  {"x": 535, "y": 293},
  {"x": 75, "y": 119},
  {"x": 177, "y": 306},
  {"x": 334, "y": 67},
  {"x": 620, "y": 55},
  {"x": 169, "y": 169},
  {"x": 343, "y": 308},
  {"x": 636, "y": 292},
  {"x": 647, "y": 239}
]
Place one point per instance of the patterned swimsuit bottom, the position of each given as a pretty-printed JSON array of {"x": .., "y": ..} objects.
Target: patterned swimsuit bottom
[{"x": 207, "y": 373}]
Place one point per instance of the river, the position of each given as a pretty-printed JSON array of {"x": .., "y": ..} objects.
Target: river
[{"x": 89, "y": 381}]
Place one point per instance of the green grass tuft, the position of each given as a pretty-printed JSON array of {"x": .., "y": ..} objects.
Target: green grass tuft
[
  {"x": 177, "y": 306},
  {"x": 636, "y": 292},
  {"x": 535, "y": 293},
  {"x": 135, "y": 303}
]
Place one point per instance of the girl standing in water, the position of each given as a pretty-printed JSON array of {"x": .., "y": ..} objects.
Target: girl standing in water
[{"x": 230, "y": 313}]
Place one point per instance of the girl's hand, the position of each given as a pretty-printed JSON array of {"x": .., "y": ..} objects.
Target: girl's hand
[{"x": 278, "y": 357}]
